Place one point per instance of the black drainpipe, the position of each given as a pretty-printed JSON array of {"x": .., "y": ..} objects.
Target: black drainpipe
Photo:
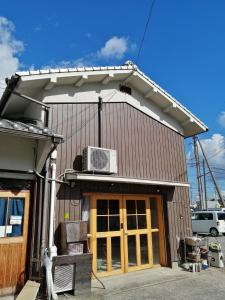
[{"x": 100, "y": 122}]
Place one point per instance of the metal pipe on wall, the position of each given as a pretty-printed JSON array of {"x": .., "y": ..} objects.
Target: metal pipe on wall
[
  {"x": 40, "y": 203},
  {"x": 45, "y": 210},
  {"x": 33, "y": 230},
  {"x": 100, "y": 122},
  {"x": 52, "y": 199}
]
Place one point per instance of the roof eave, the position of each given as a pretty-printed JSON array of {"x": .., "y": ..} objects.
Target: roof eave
[
  {"x": 131, "y": 71},
  {"x": 26, "y": 134}
]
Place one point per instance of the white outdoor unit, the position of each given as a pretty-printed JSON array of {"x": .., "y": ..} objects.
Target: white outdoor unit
[{"x": 99, "y": 160}]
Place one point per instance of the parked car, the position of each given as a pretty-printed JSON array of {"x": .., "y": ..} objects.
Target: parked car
[{"x": 210, "y": 221}]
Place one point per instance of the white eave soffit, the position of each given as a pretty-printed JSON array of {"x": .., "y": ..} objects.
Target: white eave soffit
[{"x": 47, "y": 79}]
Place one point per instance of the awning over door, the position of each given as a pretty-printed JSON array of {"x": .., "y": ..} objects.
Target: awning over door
[{"x": 107, "y": 178}]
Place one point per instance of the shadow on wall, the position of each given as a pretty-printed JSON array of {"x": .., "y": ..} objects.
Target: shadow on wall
[{"x": 77, "y": 164}]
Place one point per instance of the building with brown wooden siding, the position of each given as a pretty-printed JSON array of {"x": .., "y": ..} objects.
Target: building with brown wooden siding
[{"x": 136, "y": 198}]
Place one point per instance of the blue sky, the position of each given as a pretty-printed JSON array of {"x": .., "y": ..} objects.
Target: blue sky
[{"x": 184, "y": 49}]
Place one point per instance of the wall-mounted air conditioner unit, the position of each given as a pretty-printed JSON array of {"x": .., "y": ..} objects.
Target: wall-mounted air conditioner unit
[{"x": 99, "y": 160}]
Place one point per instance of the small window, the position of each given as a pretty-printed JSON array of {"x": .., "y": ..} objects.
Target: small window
[
  {"x": 125, "y": 89},
  {"x": 221, "y": 216},
  {"x": 11, "y": 217},
  {"x": 205, "y": 216}
]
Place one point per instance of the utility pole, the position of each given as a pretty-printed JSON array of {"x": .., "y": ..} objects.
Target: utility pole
[
  {"x": 212, "y": 176},
  {"x": 205, "y": 187},
  {"x": 197, "y": 161}
]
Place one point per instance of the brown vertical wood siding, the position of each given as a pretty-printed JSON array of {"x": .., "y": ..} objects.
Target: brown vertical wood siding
[
  {"x": 179, "y": 218},
  {"x": 145, "y": 149}
]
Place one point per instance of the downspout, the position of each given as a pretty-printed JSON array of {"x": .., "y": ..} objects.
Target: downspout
[
  {"x": 51, "y": 245},
  {"x": 45, "y": 209},
  {"x": 45, "y": 203},
  {"x": 52, "y": 250}
]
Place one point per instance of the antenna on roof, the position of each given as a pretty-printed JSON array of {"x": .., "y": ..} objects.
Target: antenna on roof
[{"x": 130, "y": 63}]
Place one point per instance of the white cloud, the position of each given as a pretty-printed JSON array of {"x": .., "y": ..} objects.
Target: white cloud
[
  {"x": 10, "y": 48},
  {"x": 115, "y": 47},
  {"x": 214, "y": 148},
  {"x": 221, "y": 119},
  {"x": 77, "y": 63}
]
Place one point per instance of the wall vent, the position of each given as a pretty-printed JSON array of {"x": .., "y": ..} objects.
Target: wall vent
[
  {"x": 64, "y": 278},
  {"x": 125, "y": 89}
]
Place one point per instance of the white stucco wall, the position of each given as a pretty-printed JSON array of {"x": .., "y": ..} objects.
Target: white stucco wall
[
  {"x": 89, "y": 92},
  {"x": 17, "y": 153}
]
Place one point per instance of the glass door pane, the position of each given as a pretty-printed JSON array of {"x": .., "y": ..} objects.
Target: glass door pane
[
  {"x": 132, "y": 251},
  {"x": 101, "y": 254},
  {"x": 137, "y": 232},
  {"x": 108, "y": 215},
  {"x": 155, "y": 248},
  {"x": 144, "y": 248},
  {"x": 116, "y": 253},
  {"x": 15, "y": 216}
]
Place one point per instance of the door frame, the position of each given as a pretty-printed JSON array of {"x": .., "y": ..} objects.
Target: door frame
[
  {"x": 93, "y": 230},
  {"x": 19, "y": 239}
]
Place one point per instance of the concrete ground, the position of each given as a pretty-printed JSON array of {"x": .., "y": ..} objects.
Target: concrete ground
[
  {"x": 161, "y": 283},
  {"x": 157, "y": 284}
]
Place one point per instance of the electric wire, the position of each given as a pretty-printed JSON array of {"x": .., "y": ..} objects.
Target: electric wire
[{"x": 145, "y": 30}]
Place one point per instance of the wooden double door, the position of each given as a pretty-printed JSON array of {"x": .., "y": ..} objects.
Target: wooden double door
[
  {"x": 14, "y": 212},
  {"x": 126, "y": 233}
]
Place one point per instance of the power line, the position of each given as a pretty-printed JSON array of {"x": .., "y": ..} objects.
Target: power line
[
  {"x": 139, "y": 52},
  {"x": 215, "y": 154},
  {"x": 145, "y": 30}
]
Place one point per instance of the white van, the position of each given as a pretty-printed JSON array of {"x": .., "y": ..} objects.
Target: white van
[{"x": 209, "y": 221}]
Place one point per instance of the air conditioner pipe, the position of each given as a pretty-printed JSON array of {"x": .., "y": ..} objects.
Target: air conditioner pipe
[{"x": 50, "y": 286}]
